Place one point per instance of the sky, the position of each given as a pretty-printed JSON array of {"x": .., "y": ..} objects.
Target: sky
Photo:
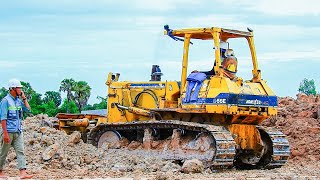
[{"x": 44, "y": 42}]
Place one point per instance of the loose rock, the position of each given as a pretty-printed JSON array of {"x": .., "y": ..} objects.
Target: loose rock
[{"x": 192, "y": 166}]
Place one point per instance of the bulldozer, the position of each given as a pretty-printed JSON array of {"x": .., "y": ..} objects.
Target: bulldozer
[{"x": 212, "y": 116}]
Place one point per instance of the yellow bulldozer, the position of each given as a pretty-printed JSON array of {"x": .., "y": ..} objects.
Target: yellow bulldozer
[{"x": 212, "y": 116}]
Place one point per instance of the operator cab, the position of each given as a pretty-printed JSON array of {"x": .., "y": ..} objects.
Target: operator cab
[{"x": 225, "y": 63}]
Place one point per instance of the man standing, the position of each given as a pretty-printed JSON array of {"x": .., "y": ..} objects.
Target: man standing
[{"x": 11, "y": 114}]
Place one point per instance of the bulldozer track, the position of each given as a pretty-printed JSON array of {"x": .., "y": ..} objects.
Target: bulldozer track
[
  {"x": 280, "y": 147},
  {"x": 224, "y": 143}
]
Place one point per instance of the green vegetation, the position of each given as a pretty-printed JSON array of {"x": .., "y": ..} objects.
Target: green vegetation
[
  {"x": 52, "y": 96},
  {"x": 101, "y": 105},
  {"x": 308, "y": 87},
  {"x": 66, "y": 86},
  {"x": 68, "y": 106},
  {"x": 81, "y": 94},
  {"x": 3, "y": 92},
  {"x": 78, "y": 93}
]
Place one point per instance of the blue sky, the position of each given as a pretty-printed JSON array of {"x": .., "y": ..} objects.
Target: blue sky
[{"x": 43, "y": 42}]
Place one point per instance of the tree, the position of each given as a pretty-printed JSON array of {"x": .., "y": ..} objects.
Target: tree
[
  {"x": 104, "y": 102},
  {"x": 102, "y": 105},
  {"x": 82, "y": 93},
  {"x": 27, "y": 89},
  {"x": 49, "y": 108},
  {"x": 33, "y": 97},
  {"x": 3, "y": 93},
  {"x": 35, "y": 103},
  {"x": 70, "y": 106},
  {"x": 66, "y": 86},
  {"x": 52, "y": 96},
  {"x": 308, "y": 87}
]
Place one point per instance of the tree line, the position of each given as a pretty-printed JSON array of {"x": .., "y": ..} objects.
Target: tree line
[{"x": 51, "y": 103}]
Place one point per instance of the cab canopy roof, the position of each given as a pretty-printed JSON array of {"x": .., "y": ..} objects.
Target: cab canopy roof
[{"x": 206, "y": 33}]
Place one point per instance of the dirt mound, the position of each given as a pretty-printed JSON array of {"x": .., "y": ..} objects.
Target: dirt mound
[
  {"x": 302, "y": 107},
  {"x": 48, "y": 149},
  {"x": 299, "y": 119}
]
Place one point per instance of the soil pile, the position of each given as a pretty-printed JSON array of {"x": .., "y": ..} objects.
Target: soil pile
[
  {"x": 299, "y": 119},
  {"x": 50, "y": 149}
]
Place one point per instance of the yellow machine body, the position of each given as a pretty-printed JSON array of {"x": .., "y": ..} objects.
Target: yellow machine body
[{"x": 235, "y": 104}]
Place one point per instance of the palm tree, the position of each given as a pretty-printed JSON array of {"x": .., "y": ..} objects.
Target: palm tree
[
  {"x": 82, "y": 93},
  {"x": 66, "y": 86}
]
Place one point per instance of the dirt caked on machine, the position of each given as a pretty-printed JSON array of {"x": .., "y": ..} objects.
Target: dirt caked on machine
[{"x": 211, "y": 116}]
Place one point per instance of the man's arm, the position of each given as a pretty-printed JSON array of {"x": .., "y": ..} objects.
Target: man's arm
[
  {"x": 3, "y": 117},
  {"x": 4, "y": 109},
  {"x": 25, "y": 104}
]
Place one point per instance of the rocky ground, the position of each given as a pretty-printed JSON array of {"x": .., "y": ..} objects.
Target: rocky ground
[{"x": 51, "y": 154}]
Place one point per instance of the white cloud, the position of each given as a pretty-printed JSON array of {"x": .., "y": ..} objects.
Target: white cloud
[
  {"x": 4, "y": 64},
  {"x": 288, "y": 7},
  {"x": 8, "y": 64},
  {"x": 163, "y": 5},
  {"x": 51, "y": 24},
  {"x": 284, "y": 56},
  {"x": 233, "y": 21},
  {"x": 80, "y": 5},
  {"x": 149, "y": 21},
  {"x": 271, "y": 7},
  {"x": 63, "y": 4},
  {"x": 216, "y": 20},
  {"x": 278, "y": 7}
]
